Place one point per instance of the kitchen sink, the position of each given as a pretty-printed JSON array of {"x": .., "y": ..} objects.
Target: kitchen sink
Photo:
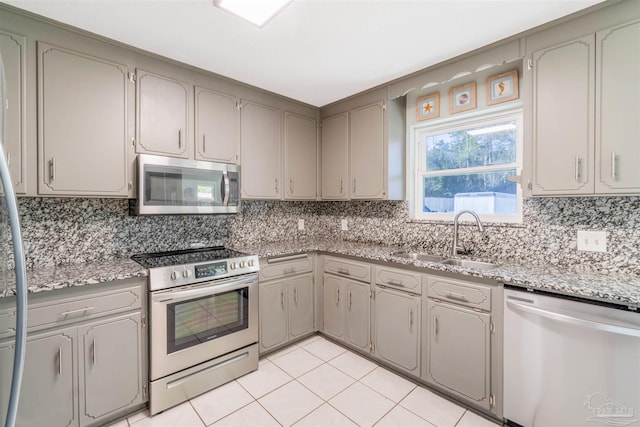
[
  {"x": 478, "y": 265},
  {"x": 418, "y": 256}
]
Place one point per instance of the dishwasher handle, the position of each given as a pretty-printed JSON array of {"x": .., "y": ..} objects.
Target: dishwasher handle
[{"x": 577, "y": 321}]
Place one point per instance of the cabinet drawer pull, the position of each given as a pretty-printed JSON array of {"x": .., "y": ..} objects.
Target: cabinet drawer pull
[
  {"x": 349, "y": 300},
  {"x": 395, "y": 282},
  {"x": 436, "y": 326},
  {"x": 578, "y": 168},
  {"x": 410, "y": 319},
  {"x": 457, "y": 297},
  {"x": 93, "y": 351},
  {"x": 295, "y": 295},
  {"x": 338, "y": 296},
  {"x": 80, "y": 310},
  {"x": 179, "y": 138},
  {"x": 52, "y": 169},
  {"x": 59, "y": 360},
  {"x": 282, "y": 299},
  {"x": 343, "y": 271},
  {"x": 613, "y": 165}
]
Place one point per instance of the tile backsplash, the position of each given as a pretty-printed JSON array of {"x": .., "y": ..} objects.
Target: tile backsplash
[{"x": 60, "y": 231}]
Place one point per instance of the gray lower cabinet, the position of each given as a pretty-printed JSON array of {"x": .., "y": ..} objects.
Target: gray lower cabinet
[
  {"x": 83, "y": 124},
  {"x": 358, "y": 314},
  {"x": 85, "y": 356},
  {"x": 286, "y": 310},
  {"x": 333, "y": 290},
  {"x": 47, "y": 395},
  {"x": 397, "y": 329},
  {"x": 110, "y": 366}
]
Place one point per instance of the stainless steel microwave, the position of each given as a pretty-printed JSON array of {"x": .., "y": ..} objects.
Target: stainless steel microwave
[{"x": 167, "y": 186}]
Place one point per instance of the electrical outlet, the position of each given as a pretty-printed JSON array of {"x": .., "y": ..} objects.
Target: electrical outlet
[
  {"x": 343, "y": 225},
  {"x": 301, "y": 224},
  {"x": 592, "y": 241}
]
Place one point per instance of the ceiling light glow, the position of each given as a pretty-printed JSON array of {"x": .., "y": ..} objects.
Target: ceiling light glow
[{"x": 258, "y": 12}]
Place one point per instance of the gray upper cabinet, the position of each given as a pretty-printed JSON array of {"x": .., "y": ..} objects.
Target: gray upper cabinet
[
  {"x": 563, "y": 114},
  {"x": 12, "y": 48},
  {"x": 397, "y": 329},
  {"x": 458, "y": 358},
  {"x": 358, "y": 316},
  {"x": 260, "y": 151},
  {"x": 82, "y": 124},
  {"x": 110, "y": 367},
  {"x": 162, "y": 115},
  {"x": 618, "y": 109},
  {"x": 300, "y": 157},
  {"x": 584, "y": 121},
  {"x": 366, "y": 153},
  {"x": 47, "y": 395},
  {"x": 335, "y": 157},
  {"x": 217, "y": 126}
]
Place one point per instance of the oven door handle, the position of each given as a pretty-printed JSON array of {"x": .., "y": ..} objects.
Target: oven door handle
[{"x": 176, "y": 295}]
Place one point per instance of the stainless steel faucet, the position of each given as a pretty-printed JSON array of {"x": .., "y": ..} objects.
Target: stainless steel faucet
[{"x": 454, "y": 247}]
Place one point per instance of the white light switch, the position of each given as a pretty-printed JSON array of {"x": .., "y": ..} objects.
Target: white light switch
[
  {"x": 301, "y": 224},
  {"x": 343, "y": 224},
  {"x": 592, "y": 241}
]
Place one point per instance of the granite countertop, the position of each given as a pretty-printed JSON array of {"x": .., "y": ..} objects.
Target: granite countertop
[
  {"x": 612, "y": 288},
  {"x": 81, "y": 274}
]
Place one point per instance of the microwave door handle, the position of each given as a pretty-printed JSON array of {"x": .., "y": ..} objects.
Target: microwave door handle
[{"x": 225, "y": 189}]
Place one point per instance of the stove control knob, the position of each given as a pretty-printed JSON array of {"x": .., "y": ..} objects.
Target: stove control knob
[
  {"x": 232, "y": 265},
  {"x": 250, "y": 263},
  {"x": 242, "y": 264},
  {"x": 186, "y": 274},
  {"x": 174, "y": 275}
]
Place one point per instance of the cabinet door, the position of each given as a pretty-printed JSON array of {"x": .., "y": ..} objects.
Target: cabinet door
[
  {"x": 110, "y": 354},
  {"x": 261, "y": 141},
  {"x": 358, "y": 314},
  {"x": 300, "y": 157},
  {"x": 563, "y": 118},
  {"x": 82, "y": 124},
  {"x": 12, "y": 48},
  {"x": 300, "y": 305},
  {"x": 459, "y": 351},
  {"x": 47, "y": 395},
  {"x": 333, "y": 305},
  {"x": 217, "y": 125},
  {"x": 367, "y": 152},
  {"x": 162, "y": 115},
  {"x": 273, "y": 314},
  {"x": 397, "y": 329},
  {"x": 335, "y": 157},
  {"x": 618, "y": 109}
]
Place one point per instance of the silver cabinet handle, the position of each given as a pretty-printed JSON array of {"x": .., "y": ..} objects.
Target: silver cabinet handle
[
  {"x": 341, "y": 185},
  {"x": 282, "y": 299},
  {"x": 354, "y": 185},
  {"x": 276, "y": 187},
  {"x": 395, "y": 282},
  {"x": 295, "y": 296},
  {"x": 80, "y": 310},
  {"x": 52, "y": 169},
  {"x": 179, "y": 138},
  {"x": 343, "y": 271},
  {"x": 93, "y": 351},
  {"x": 457, "y": 297},
  {"x": 59, "y": 360},
  {"x": 435, "y": 329},
  {"x": 613, "y": 165},
  {"x": 349, "y": 300},
  {"x": 337, "y": 296},
  {"x": 204, "y": 142},
  {"x": 577, "y": 169},
  {"x": 9, "y": 158},
  {"x": 410, "y": 319}
]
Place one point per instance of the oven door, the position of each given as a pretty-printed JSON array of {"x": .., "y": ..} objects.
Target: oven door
[{"x": 192, "y": 324}]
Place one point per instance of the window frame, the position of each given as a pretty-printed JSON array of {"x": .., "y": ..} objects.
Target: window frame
[{"x": 417, "y": 155}]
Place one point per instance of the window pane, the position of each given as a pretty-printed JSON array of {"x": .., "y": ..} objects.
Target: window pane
[
  {"x": 479, "y": 146},
  {"x": 484, "y": 193}
]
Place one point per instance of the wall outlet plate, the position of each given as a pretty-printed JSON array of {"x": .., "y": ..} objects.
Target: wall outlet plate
[
  {"x": 301, "y": 224},
  {"x": 592, "y": 241},
  {"x": 343, "y": 225}
]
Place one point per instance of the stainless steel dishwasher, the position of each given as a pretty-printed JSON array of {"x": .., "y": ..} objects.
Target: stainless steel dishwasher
[{"x": 569, "y": 362}]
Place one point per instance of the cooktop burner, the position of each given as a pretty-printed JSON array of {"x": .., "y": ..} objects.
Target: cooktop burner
[{"x": 186, "y": 256}]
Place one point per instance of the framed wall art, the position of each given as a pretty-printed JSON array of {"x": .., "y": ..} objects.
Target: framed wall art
[
  {"x": 462, "y": 98},
  {"x": 502, "y": 88},
  {"x": 428, "y": 107}
]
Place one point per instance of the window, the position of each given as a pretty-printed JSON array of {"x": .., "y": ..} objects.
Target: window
[{"x": 467, "y": 164}]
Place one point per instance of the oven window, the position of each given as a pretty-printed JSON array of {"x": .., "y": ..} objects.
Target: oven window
[{"x": 196, "y": 321}]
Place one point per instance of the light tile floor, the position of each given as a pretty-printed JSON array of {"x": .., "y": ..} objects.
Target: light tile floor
[{"x": 315, "y": 383}]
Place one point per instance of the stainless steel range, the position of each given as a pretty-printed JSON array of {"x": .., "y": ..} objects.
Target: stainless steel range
[{"x": 203, "y": 321}]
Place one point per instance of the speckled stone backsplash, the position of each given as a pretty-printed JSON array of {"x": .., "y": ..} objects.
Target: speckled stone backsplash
[{"x": 61, "y": 231}]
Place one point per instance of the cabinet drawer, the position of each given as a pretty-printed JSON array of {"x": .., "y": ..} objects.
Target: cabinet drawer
[
  {"x": 399, "y": 279},
  {"x": 73, "y": 309},
  {"x": 274, "y": 267},
  {"x": 352, "y": 269},
  {"x": 460, "y": 292}
]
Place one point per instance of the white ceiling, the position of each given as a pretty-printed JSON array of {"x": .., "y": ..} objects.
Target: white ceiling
[{"x": 314, "y": 51}]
